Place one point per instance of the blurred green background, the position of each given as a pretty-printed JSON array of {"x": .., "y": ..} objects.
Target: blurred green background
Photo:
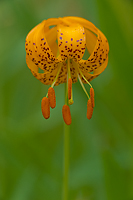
[{"x": 31, "y": 148}]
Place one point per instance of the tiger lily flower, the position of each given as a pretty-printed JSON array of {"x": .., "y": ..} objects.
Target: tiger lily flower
[{"x": 56, "y": 46}]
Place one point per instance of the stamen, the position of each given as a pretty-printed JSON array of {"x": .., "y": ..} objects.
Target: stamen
[
  {"x": 45, "y": 107},
  {"x": 51, "y": 97},
  {"x": 89, "y": 109},
  {"x": 83, "y": 86},
  {"x": 54, "y": 81},
  {"x": 91, "y": 89},
  {"x": 66, "y": 114},
  {"x": 84, "y": 77},
  {"x": 92, "y": 97},
  {"x": 60, "y": 65},
  {"x": 69, "y": 88}
]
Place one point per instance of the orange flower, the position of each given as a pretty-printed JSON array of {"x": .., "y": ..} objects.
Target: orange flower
[{"x": 57, "y": 47}]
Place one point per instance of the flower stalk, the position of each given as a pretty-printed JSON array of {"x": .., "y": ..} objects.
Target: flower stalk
[
  {"x": 66, "y": 162},
  {"x": 66, "y": 153}
]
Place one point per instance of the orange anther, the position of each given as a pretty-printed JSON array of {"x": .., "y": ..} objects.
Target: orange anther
[
  {"x": 51, "y": 97},
  {"x": 89, "y": 109},
  {"x": 45, "y": 107},
  {"x": 66, "y": 114},
  {"x": 92, "y": 97},
  {"x": 69, "y": 88}
]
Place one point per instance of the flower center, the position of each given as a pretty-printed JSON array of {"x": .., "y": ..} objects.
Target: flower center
[{"x": 71, "y": 41}]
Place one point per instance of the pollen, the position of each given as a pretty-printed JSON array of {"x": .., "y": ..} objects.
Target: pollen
[
  {"x": 51, "y": 97},
  {"x": 89, "y": 109},
  {"x": 69, "y": 88},
  {"x": 66, "y": 114},
  {"x": 45, "y": 107},
  {"x": 92, "y": 97}
]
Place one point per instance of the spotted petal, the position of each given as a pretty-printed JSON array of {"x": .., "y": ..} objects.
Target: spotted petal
[
  {"x": 95, "y": 74},
  {"x": 38, "y": 48},
  {"x": 98, "y": 56},
  {"x": 48, "y": 77},
  {"x": 85, "y": 23},
  {"x": 71, "y": 41}
]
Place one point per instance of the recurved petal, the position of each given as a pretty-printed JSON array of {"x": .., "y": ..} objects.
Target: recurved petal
[
  {"x": 85, "y": 23},
  {"x": 38, "y": 50},
  {"x": 47, "y": 66},
  {"x": 98, "y": 56},
  {"x": 42, "y": 43},
  {"x": 37, "y": 47},
  {"x": 52, "y": 22},
  {"x": 91, "y": 40},
  {"x": 96, "y": 72},
  {"x": 71, "y": 41},
  {"x": 30, "y": 45},
  {"x": 51, "y": 37},
  {"x": 48, "y": 77},
  {"x": 62, "y": 77}
]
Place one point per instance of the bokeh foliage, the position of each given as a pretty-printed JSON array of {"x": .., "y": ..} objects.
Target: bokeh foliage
[{"x": 31, "y": 148}]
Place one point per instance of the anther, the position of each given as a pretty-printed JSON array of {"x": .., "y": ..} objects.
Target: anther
[
  {"x": 89, "y": 109},
  {"x": 92, "y": 97},
  {"x": 51, "y": 97},
  {"x": 45, "y": 107},
  {"x": 69, "y": 88},
  {"x": 66, "y": 114}
]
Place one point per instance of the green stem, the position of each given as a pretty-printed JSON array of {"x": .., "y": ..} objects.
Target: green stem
[
  {"x": 66, "y": 162},
  {"x": 66, "y": 154}
]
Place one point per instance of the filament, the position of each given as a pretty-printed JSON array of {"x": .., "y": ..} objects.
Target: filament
[
  {"x": 83, "y": 86},
  {"x": 54, "y": 81},
  {"x": 84, "y": 77}
]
